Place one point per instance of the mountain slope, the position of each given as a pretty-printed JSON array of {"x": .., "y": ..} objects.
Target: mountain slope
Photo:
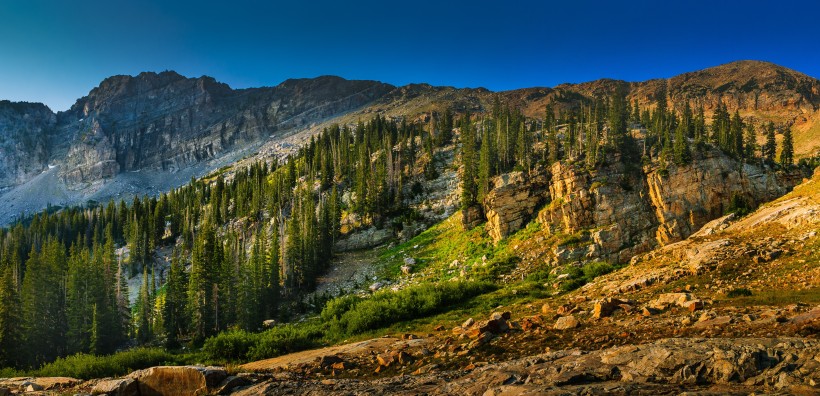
[{"x": 168, "y": 127}]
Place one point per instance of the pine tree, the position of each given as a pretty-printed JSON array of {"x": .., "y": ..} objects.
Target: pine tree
[
  {"x": 10, "y": 331},
  {"x": 174, "y": 319},
  {"x": 201, "y": 283},
  {"x": 770, "y": 147},
  {"x": 486, "y": 163},
  {"x": 787, "y": 148},
  {"x": 144, "y": 304},
  {"x": 468, "y": 160},
  {"x": 750, "y": 142},
  {"x": 736, "y": 136},
  {"x": 682, "y": 153}
]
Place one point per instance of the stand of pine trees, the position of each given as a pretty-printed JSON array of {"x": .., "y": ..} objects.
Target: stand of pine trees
[{"x": 246, "y": 246}]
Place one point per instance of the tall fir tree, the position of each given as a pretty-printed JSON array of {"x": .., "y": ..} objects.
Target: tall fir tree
[{"x": 787, "y": 148}]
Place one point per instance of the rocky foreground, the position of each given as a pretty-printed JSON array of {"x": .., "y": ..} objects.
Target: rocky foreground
[{"x": 607, "y": 353}]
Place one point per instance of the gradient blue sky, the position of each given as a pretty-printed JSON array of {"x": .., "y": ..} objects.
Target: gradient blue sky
[{"x": 56, "y": 51}]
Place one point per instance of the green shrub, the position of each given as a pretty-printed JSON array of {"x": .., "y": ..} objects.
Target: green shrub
[
  {"x": 84, "y": 366},
  {"x": 387, "y": 307},
  {"x": 740, "y": 292},
  {"x": 286, "y": 339},
  {"x": 572, "y": 284},
  {"x": 496, "y": 268},
  {"x": 231, "y": 345},
  {"x": 596, "y": 269},
  {"x": 335, "y": 308}
]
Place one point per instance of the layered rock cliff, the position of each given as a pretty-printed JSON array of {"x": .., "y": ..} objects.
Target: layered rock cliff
[
  {"x": 25, "y": 136},
  {"x": 166, "y": 121},
  {"x": 615, "y": 212}
]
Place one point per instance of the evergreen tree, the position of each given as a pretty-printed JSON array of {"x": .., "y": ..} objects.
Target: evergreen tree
[
  {"x": 682, "y": 153},
  {"x": 468, "y": 160},
  {"x": 10, "y": 331},
  {"x": 750, "y": 142},
  {"x": 770, "y": 147},
  {"x": 174, "y": 319},
  {"x": 486, "y": 163},
  {"x": 787, "y": 148}
]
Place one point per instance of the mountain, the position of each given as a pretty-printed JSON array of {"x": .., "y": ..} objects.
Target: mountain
[{"x": 145, "y": 134}]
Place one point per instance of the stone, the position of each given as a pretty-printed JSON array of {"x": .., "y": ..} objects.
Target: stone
[
  {"x": 328, "y": 360},
  {"x": 566, "y": 323},
  {"x": 409, "y": 261},
  {"x": 406, "y": 269},
  {"x": 566, "y": 309},
  {"x": 545, "y": 309},
  {"x": 649, "y": 311},
  {"x": 694, "y": 305},
  {"x": 439, "y": 328},
  {"x": 385, "y": 359},
  {"x": 116, "y": 387},
  {"x": 31, "y": 387},
  {"x": 718, "y": 321},
  {"x": 404, "y": 358},
  {"x": 467, "y": 323},
  {"x": 213, "y": 375},
  {"x": 669, "y": 299},
  {"x": 170, "y": 380},
  {"x": 376, "y": 286},
  {"x": 814, "y": 314},
  {"x": 232, "y": 382},
  {"x": 269, "y": 323},
  {"x": 605, "y": 307},
  {"x": 52, "y": 383}
]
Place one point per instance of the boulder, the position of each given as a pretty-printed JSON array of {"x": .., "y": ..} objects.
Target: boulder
[
  {"x": 669, "y": 299},
  {"x": 605, "y": 307},
  {"x": 231, "y": 383},
  {"x": 566, "y": 323},
  {"x": 406, "y": 269},
  {"x": 52, "y": 383},
  {"x": 116, "y": 387},
  {"x": 328, "y": 360},
  {"x": 170, "y": 380}
]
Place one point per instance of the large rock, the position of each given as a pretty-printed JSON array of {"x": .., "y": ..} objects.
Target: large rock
[
  {"x": 566, "y": 323},
  {"x": 170, "y": 380},
  {"x": 512, "y": 201},
  {"x": 116, "y": 387}
]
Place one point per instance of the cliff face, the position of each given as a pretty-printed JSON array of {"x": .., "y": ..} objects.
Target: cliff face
[
  {"x": 25, "y": 134},
  {"x": 614, "y": 213},
  {"x": 166, "y": 121}
]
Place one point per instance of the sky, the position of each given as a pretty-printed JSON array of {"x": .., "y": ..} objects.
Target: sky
[{"x": 56, "y": 51}]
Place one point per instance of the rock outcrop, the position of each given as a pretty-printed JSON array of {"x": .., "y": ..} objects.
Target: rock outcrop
[
  {"x": 512, "y": 201},
  {"x": 616, "y": 212}
]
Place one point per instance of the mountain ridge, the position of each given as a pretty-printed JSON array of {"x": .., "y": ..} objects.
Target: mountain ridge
[{"x": 165, "y": 122}]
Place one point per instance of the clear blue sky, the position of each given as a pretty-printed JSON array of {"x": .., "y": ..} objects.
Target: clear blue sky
[{"x": 56, "y": 51}]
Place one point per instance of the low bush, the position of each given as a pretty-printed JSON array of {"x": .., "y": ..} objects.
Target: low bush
[
  {"x": 740, "y": 292},
  {"x": 387, "y": 307},
  {"x": 85, "y": 366}
]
